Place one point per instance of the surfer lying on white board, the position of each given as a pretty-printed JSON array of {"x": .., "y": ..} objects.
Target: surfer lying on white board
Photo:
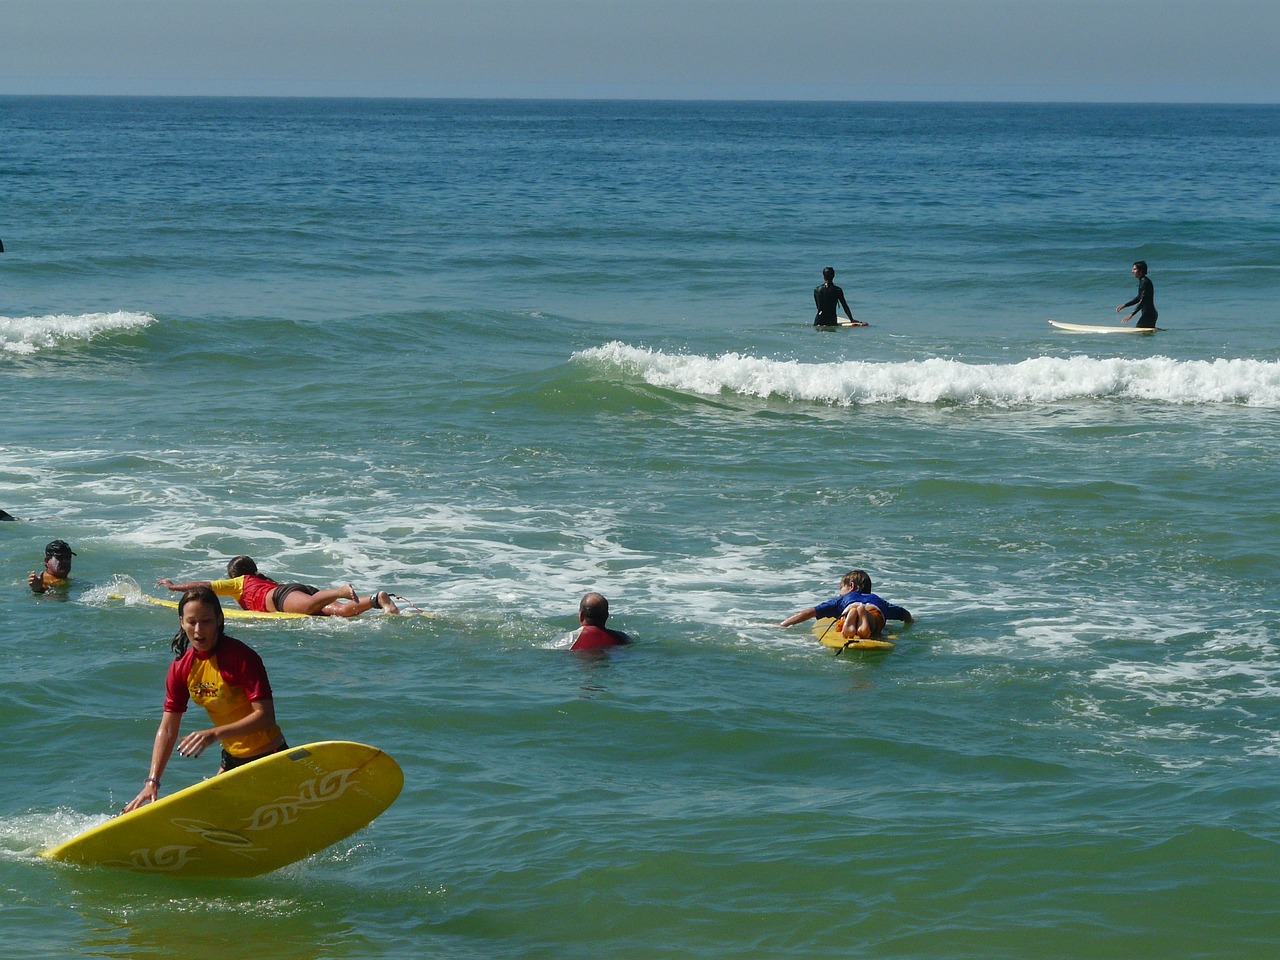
[
  {"x": 855, "y": 591},
  {"x": 827, "y": 296},
  {"x": 224, "y": 676},
  {"x": 1145, "y": 300},
  {"x": 262, "y": 594}
]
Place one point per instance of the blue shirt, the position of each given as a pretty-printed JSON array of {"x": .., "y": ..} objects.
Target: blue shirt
[{"x": 836, "y": 605}]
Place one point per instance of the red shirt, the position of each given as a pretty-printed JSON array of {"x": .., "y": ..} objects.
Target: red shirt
[
  {"x": 250, "y": 590},
  {"x": 225, "y": 681},
  {"x": 591, "y": 638}
]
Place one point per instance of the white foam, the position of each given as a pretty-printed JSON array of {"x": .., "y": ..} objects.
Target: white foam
[
  {"x": 27, "y": 335},
  {"x": 24, "y": 836},
  {"x": 1036, "y": 381}
]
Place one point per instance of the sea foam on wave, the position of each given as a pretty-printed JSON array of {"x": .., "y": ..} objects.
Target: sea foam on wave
[
  {"x": 32, "y": 334},
  {"x": 1033, "y": 381}
]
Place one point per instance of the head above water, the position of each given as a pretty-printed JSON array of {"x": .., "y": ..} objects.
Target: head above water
[
  {"x": 828, "y": 274},
  {"x": 857, "y": 580},
  {"x": 58, "y": 548},
  {"x": 57, "y": 557},
  {"x": 593, "y": 609},
  {"x": 206, "y": 597},
  {"x": 241, "y": 566},
  {"x": 1140, "y": 268}
]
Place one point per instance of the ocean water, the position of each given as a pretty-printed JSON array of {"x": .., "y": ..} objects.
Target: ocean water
[{"x": 490, "y": 355}]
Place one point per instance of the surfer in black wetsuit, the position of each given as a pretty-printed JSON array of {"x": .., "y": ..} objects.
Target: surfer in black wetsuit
[
  {"x": 827, "y": 296},
  {"x": 1145, "y": 300}
]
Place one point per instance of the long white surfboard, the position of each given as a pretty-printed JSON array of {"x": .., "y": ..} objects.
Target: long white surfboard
[{"x": 1099, "y": 328}]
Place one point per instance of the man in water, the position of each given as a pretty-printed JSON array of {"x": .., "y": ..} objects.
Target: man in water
[
  {"x": 827, "y": 296},
  {"x": 1145, "y": 300},
  {"x": 57, "y": 568},
  {"x": 593, "y": 611}
]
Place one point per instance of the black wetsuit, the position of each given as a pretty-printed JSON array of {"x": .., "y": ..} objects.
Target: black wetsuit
[
  {"x": 1146, "y": 301},
  {"x": 827, "y": 296}
]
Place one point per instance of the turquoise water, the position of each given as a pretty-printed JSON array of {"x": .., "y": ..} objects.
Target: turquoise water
[{"x": 492, "y": 355}]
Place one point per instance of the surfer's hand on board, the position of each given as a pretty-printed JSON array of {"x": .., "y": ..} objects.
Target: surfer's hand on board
[{"x": 150, "y": 791}]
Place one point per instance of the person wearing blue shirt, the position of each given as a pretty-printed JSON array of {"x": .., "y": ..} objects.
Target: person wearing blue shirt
[{"x": 855, "y": 588}]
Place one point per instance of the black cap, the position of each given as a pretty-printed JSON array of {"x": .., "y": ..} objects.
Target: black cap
[{"x": 58, "y": 548}]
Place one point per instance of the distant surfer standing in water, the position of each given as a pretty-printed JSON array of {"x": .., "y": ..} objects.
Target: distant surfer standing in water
[
  {"x": 1145, "y": 300},
  {"x": 827, "y": 296},
  {"x": 224, "y": 676}
]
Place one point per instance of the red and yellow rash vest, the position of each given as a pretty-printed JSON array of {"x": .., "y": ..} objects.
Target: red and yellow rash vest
[
  {"x": 224, "y": 682},
  {"x": 250, "y": 591}
]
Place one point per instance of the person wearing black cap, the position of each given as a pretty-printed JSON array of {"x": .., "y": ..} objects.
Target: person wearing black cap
[{"x": 57, "y": 567}]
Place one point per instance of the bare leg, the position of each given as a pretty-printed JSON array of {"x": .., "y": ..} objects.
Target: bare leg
[
  {"x": 357, "y": 607},
  {"x": 314, "y": 604},
  {"x": 862, "y": 621}
]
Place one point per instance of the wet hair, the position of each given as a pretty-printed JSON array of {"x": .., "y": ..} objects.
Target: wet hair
[
  {"x": 594, "y": 609},
  {"x": 240, "y": 566},
  {"x": 828, "y": 273},
  {"x": 857, "y": 580},
  {"x": 1142, "y": 266},
  {"x": 180, "y": 642}
]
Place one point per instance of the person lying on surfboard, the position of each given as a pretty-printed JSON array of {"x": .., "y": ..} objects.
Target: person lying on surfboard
[
  {"x": 593, "y": 611},
  {"x": 224, "y": 676},
  {"x": 262, "y": 594},
  {"x": 855, "y": 591},
  {"x": 57, "y": 568}
]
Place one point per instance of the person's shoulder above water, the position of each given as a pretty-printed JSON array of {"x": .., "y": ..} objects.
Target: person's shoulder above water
[{"x": 593, "y": 637}]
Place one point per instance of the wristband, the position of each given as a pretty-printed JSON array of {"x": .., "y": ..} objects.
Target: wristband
[{"x": 152, "y": 780}]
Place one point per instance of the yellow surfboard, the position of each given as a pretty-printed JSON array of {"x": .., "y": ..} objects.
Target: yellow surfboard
[
  {"x": 828, "y": 632},
  {"x": 251, "y": 820},
  {"x": 231, "y": 613},
  {"x": 134, "y": 594}
]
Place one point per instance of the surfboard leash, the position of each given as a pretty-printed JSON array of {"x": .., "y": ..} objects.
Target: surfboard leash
[
  {"x": 409, "y": 603},
  {"x": 828, "y": 630}
]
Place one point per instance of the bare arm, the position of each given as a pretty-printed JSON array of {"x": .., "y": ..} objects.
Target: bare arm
[
  {"x": 183, "y": 587},
  {"x": 166, "y": 737},
  {"x": 800, "y": 617},
  {"x": 262, "y": 714}
]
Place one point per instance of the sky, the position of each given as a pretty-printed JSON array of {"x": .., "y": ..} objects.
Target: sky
[{"x": 1187, "y": 51}]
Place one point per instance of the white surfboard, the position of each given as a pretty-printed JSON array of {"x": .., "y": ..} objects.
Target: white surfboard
[
  {"x": 1099, "y": 328},
  {"x": 848, "y": 322}
]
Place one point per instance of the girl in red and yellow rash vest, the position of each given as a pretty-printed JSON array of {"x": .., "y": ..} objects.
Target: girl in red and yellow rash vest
[{"x": 225, "y": 677}]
